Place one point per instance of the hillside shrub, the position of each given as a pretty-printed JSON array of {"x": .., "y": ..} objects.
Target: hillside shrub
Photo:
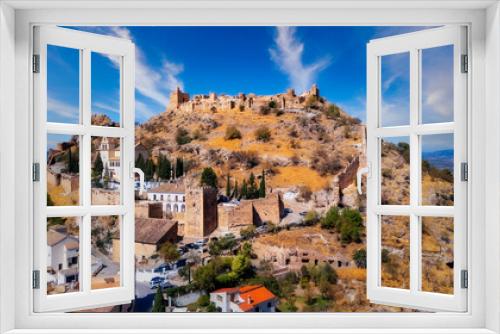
[
  {"x": 264, "y": 110},
  {"x": 348, "y": 222},
  {"x": 333, "y": 111},
  {"x": 263, "y": 134},
  {"x": 182, "y": 136},
  {"x": 232, "y": 132}
]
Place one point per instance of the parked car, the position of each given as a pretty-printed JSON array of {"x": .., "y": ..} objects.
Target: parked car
[
  {"x": 162, "y": 268},
  {"x": 180, "y": 263},
  {"x": 156, "y": 282},
  {"x": 166, "y": 285}
]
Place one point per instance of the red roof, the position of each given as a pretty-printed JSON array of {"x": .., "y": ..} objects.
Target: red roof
[{"x": 251, "y": 295}]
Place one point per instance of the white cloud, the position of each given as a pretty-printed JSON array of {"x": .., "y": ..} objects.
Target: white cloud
[
  {"x": 142, "y": 111},
  {"x": 106, "y": 107},
  {"x": 155, "y": 84},
  {"x": 287, "y": 54},
  {"x": 62, "y": 109}
]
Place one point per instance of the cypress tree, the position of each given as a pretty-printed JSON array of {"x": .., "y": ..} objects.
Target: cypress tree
[
  {"x": 158, "y": 303},
  {"x": 149, "y": 170},
  {"x": 228, "y": 186},
  {"x": 140, "y": 163},
  {"x": 98, "y": 166},
  {"x": 252, "y": 191},
  {"x": 244, "y": 190},
  {"x": 179, "y": 167},
  {"x": 163, "y": 168},
  {"x": 235, "y": 190},
  {"x": 262, "y": 185}
]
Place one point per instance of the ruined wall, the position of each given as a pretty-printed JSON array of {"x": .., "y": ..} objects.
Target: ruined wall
[
  {"x": 270, "y": 209},
  {"x": 200, "y": 218},
  {"x": 70, "y": 182},
  {"x": 233, "y": 217},
  {"x": 349, "y": 174},
  {"x": 105, "y": 196},
  {"x": 53, "y": 179}
]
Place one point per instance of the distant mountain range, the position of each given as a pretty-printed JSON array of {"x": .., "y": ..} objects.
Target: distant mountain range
[{"x": 440, "y": 159}]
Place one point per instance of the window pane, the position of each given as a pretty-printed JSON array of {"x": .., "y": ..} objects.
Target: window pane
[
  {"x": 105, "y": 89},
  {"x": 106, "y": 171},
  {"x": 63, "y": 170},
  {"x": 63, "y": 250},
  {"x": 63, "y": 84},
  {"x": 395, "y": 89},
  {"x": 105, "y": 253},
  {"x": 395, "y": 253},
  {"x": 395, "y": 171},
  {"x": 437, "y": 254},
  {"x": 437, "y": 170},
  {"x": 437, "y": 84}
]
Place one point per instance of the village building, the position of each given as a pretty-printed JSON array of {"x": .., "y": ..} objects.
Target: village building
[
  {"x": 171, "y": 195},
  {"x": 200, "y": 218},
  {"x": 150, "y": 234},
  {"x": 62, "y": 259},
  {"x": 236, "y": 215},
  {"x": 248, "y": 298},
  {"x": 109, "y": 151}
]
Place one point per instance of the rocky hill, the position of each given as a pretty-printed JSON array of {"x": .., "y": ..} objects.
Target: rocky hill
[{"x": 299, "y": 147}]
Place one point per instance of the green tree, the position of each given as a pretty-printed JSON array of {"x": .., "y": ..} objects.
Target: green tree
[
  {"x": 169, "y": 252},
  {"x": 244, "y": 190},
  {"x": 333, "y": 111},
  {"x": 179, "y": 167},
  {"x": 331, "y": 219},
  {"x": 140, "y": 163},
  {"x": 242, "y": 266},
  {"x": 149, "y": 170},
  {"x": 158, "y": 303},
  {"x": 228, "y": 186},
  {"x": 253, "y": 192},
  {"x": 164, "y": 168},
  {"x": 235, "y": 190},
  {"x": 208, "y": 177},
  {"x": 73, "y": 162},
  {"x": 262, "y": 185},
  {"x": 359, "y": 258},
  {"x": 98, "y": 165}
]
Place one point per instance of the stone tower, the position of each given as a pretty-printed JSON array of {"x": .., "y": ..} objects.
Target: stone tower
[
  {"x": 201, "y": 212},
  {"x": 177, "y": 97},
  {"x": 314, "y": 90}
]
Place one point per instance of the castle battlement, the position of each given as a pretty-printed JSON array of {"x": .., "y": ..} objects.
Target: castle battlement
[{"x": 181, "y": 101}]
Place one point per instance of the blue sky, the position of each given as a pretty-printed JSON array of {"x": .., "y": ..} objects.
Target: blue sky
[{"x": 260, "y": 60}]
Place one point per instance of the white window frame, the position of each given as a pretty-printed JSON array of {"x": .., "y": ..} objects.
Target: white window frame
[
  {"x": 413, "y": 43},
  {"x": 85, "y": 43},
  {"x": 16, "y": 20}
]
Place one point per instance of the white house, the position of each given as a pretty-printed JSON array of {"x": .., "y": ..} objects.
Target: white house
[
  {"x": 172, "y": 195},
  {"x": 62, "y": 258},
  {"x": 109, "y": 151},
  {"x": 248, "y": 298}
]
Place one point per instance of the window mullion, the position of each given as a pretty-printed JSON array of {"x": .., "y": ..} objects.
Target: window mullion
[
  {"x": 414, "y": 171},
  {"x": 85, "y": 234}
]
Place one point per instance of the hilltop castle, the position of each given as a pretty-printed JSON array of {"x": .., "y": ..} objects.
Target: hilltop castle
[{"x": 289, "y": 101}]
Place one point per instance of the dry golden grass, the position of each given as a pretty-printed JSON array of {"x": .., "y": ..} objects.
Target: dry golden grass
[
  {"x": 59, "y": 197},
  {"x": 220, "y": 142},
  {"x": 299, "y": 176},
  {"x": 104, "y": 283},
  {"x": 358, "y": 274}
]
